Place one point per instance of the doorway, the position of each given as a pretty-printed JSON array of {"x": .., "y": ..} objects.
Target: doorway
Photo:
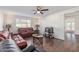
[{"x": 71, "y": 29}]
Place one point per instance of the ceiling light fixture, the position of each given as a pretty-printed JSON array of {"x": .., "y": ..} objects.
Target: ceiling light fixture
[{"x": 38, "y": 12}]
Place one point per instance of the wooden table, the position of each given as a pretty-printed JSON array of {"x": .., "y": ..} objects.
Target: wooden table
[{"x": 38, "y": 40}]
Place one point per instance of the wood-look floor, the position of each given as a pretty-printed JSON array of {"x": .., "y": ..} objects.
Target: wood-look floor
[
  {"x": 53, "y": 45},
  {"x": 70, "y": 44},
  {"x": 50, "y": 45}
]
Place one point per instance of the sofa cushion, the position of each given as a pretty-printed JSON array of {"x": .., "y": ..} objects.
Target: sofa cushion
[
  {"x": 25, "y": 32},
  {"x": 20, "y": 41}
]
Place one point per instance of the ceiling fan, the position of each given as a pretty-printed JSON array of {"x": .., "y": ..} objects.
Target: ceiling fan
[{"x": 39, "y": 10}]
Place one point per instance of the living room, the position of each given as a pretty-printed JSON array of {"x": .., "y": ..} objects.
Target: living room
[{"x": 31, "y": 25}]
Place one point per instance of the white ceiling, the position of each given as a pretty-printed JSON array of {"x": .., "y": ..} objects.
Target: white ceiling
[{"x": 29, "y": 9}]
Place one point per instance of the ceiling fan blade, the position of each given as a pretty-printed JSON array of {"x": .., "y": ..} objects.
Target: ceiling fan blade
[
  {"x": 44, "y": 10},
  {"x": 41, "y": 12}
]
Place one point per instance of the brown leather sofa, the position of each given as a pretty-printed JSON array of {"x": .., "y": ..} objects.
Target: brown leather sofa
[
  {"x": 15, "y": 43},
  {"x": 4, "y": 35},
  {"x": 25, "y": 32}
]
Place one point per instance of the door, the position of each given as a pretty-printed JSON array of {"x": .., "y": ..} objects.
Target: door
[{"x": 70, "y": 33}]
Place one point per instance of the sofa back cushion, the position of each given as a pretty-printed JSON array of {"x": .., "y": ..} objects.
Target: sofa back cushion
[
  {"x": 20, "y": 30},
  {"x": 25, "y": 32}
]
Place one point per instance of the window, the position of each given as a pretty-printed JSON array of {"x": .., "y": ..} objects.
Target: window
[
  {"x": 70, "y": 26},
  {"x": 23, "y": 23}
]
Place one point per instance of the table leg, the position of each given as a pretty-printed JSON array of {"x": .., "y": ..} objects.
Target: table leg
[{"x": 41, "y": 41}]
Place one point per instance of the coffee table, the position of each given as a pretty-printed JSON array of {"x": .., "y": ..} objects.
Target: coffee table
[{"x": 38, "y": 40}]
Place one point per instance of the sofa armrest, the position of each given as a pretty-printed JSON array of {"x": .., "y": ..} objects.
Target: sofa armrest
[
  {"x": 10, "y": 46},
  {"x": 32, "y": 48}
]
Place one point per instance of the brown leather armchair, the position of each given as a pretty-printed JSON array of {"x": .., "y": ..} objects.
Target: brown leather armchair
[{"x": 25, "y": 32}]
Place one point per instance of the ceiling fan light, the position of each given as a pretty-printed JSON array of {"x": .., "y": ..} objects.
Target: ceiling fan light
[{"x": 38, "y": 12}]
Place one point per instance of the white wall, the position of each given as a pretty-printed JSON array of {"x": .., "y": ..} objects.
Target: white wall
[
  {"x": 57, "y": 21},
  {"x": 34, "y": 22},
  {"x": 1, "y": 21},
  {"x": 10, "y": 19},
  {"x": 77, "y": 25}
]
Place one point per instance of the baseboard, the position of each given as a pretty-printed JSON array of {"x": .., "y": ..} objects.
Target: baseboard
[
  {"x": 59, "y": 39},
  {"x": 76, "y": 33}
]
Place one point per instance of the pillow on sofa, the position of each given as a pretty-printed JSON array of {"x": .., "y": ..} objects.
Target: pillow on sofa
[{"x": 20, "y": 41}]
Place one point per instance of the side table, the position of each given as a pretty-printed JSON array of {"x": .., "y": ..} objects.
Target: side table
[{"x": 38, "y": 40}]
